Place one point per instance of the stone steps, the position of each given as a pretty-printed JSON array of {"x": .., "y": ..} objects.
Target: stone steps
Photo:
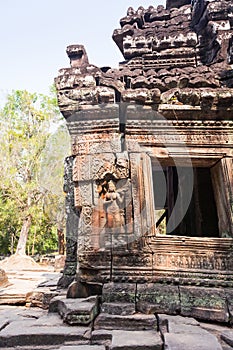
[{"x": 25, "y": 328}]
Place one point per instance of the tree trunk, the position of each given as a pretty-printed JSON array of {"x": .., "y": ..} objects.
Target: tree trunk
[
  {"x": 33, "y": 243},
  {"x": 61, "y": 241},
  {"x": 21, "y": 246}
]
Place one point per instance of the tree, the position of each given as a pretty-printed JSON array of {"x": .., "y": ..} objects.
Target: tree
[
  {"x": 9, "y": 224},
  {"x": 26, "y": 123},
  {"x": 57, "y": 148}
]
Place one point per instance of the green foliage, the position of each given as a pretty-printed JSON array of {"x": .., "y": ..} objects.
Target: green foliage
[
  {"x": 9, "y": 224},
  {"x": 28, "y": 123},
  {"x": 43, "y": 237}
]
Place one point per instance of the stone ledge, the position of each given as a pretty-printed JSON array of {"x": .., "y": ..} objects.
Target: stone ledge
[
  {"x": 131, "y": 322},
  {"x": 227, "y": 336},
  {"x": 136, "y": 340}
]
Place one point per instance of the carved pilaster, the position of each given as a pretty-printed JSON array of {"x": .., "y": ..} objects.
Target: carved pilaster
[
  {"x": 72, "y": 220},
  {"x": 222, "y": 178}
]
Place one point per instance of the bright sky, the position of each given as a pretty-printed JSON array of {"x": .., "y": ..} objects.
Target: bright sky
[{"x": 34, "y": 36}]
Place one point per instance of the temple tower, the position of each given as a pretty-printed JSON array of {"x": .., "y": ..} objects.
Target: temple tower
[{"x": 151, "y": 170}]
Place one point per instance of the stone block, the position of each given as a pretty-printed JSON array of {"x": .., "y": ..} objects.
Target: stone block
[
  {"x": 229, "y": 298},
  {"x": 83, "y": 194},
  {"x": 15, "y": 313},
  {"x": 204, "y": 303},
  {"x": 93, "y": 167},
  {"x": 158, "y": 298},
  {"x": 13, "y": 297},
  {"x": 80, "y": 311},
  {"x": 165, "y": 322},
  {"x": 101, "y": 336},
  {"x": 97, "y": 144},
  {"x": 227, "y": 336},
  {"x": 119, "y": 292},
  {"x": 177, "y": 319},
  {"x": 27, "y": 333},
  {"x": 130, "y": 322},
  {"x": 118, "y": 308},
  {"x": 95, "y": 266},
  {"x": 3, "y": 278},
  {"x": 194, "y": 341},
  {"x": 54, "y": 302},
  {"x": 131, "y": 265},
  {"x": 136, "y": 340},
  {"x": 185, "y": 333},
  {"x": 40, "y": 297}
]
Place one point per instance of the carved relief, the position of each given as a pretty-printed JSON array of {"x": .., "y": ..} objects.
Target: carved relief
[
  {"x": 85, "y": 228},
  {"x": 192, "y": 261},
  {"x": 83, "y": 194},
  {"x": 103, "y": 192},
  {"x": 112, "y": 214}
]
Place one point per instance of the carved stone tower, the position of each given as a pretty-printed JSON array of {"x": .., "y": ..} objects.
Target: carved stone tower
[{"x": 151, "y": 173}]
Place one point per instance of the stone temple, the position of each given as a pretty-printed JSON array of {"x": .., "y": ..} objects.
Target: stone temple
[{"x": 149, "y": 184}]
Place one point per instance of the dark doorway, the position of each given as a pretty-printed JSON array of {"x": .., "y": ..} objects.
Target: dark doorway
[{"x": 200, "y": 216}]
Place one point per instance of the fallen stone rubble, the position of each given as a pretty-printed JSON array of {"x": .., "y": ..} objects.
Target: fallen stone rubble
[
  {"x": 48, "y": 319},
  {"x": 72, "y": 324}
]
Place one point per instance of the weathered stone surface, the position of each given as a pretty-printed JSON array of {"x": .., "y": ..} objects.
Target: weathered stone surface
[
  {"x": 3, "y": 279},
  {"x": 137, "y": 340},
  {"x": 204, "y": 303},
  {"x": 72, "y": 221},
  {"x": 101, "y": 336},
  {"x": 167, "y": 321},
  {"x": 229, "y": 299},
  {"x": 80, "y": 311},
  {"x": 40, "y": 297},
  {"x": 217, "y": 330},
  {"x": 123, "y": 259},
  {"x": 194, "y": 341},
  {"x": 95, "y": 267},
  {"x": 158, "y": 298},
  {"x": 9, "y": 313},
  {"x": 23, "y": 283},
  {"x": 130, "y": 322},
  {"x": 29, "y": 333},
  {"x": 227, "y": 336},
  {"x": 13, "y": 298},
  {"x": 118, "y": 308},
  {"x": 119, "y": 292},
  {"x": 180, "y": 333},
  {"x": 82, "y": 347}
]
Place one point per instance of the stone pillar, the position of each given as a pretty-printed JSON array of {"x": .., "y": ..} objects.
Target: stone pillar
[
  {"x": 72, "y": 220},
  {"x": 222, "y": 178}
]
